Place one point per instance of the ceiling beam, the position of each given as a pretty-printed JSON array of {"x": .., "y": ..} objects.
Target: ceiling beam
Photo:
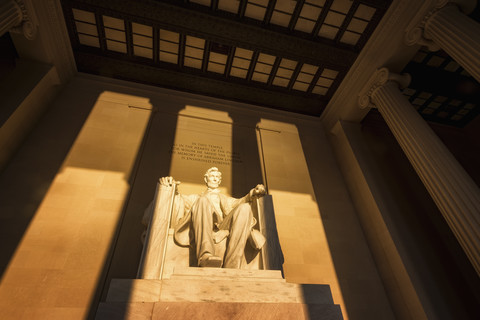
[
  {"x": 103, "y": 65},
  {"x": 221, "y": 30},
  {"x": 321, "y": 17}
]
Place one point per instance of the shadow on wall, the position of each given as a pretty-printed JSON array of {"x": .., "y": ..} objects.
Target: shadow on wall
[
  {"x": 152, "y": 162},
  {"x": 28, "y": 178},
  {"x": 350, "y": 254},
  {"x": 319, "y": 303},
  {"x": 30, "y": 172},
  {"x": 445, "y": 273}
]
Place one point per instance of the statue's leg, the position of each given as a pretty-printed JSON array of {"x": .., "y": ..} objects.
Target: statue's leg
[
  {"x": 202, "y": 219},
  {"x": 239, "y": 223}
]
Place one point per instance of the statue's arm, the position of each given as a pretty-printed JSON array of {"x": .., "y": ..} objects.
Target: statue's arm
[{"x": 258, "y": 191}]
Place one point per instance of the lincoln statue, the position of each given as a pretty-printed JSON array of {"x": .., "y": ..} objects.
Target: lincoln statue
[{"x": 214, "y": 217}]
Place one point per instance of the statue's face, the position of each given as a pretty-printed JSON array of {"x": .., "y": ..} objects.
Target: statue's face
[{"x": 214, "y": 179}]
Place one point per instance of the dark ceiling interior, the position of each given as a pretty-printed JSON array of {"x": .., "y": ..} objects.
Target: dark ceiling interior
[{"x": 289, "y": 55}]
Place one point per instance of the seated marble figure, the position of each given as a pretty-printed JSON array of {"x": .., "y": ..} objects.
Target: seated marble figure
[{"x": 214, "y": 217}]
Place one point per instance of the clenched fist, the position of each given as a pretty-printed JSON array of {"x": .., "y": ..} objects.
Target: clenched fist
[{"x": 168, "y": 181}]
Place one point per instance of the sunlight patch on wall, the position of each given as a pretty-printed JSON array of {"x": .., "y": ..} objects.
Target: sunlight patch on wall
[
  {"x": 70, "y": 235},
  {"x": 300, "y": 228},
  {"x": 203, "y": 139}
]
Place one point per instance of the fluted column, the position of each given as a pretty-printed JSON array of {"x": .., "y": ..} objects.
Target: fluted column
[
  {"x": 445, "y": 25},
  {"x": 10, "y": 16},
  {"x": 458, "y": 35},
  {"x": 17, "y": 16},
  {"x": 455, "y": 193}
]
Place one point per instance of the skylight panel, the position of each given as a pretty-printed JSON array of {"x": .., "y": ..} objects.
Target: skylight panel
[
  {"x": 256, "y": 9},
  {"x": 86, "y": 26},
  {"x": 85, "y": 16},
  {"x": 325, "y": 81},
  {"x": 142, "y": 40},
  {"x": 305, "y": 77},
  {"x": 420, "y": 56},
  {"x": 282, "y": 13},
  {"x": 342, "y": 6},
  {"x": 263, "y": 68},
  {"x": 217, "y": 62},
  {"x": 350, "y": 38},
  {"x": 365, "y": 12},
  {"x": 228, "y": 5},
  {"x": 203, "y": 2},
  {"x": 308, "y": 17},
  {"x": 331, "y": 25},
  {"x": 435, "y": 61},
  {"x": 328, "y": 32},
  {"x": 169, "y": 46},
  {"x": 357, "y": 25},
  {"x": 334, "y": 18},
  {"x": 452, "y": 66},
  {"x": 241, "y": 63},
  {"x": 284, "y": 72},
  {"x": 194, "y": 51},
  {"x": 115, "y": 34}
]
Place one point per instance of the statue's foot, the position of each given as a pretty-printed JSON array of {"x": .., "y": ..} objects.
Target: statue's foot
[{"x": 209, "y": 261}]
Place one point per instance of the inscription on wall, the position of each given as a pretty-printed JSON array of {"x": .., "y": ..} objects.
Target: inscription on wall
[{"x": 206, "y": 152}]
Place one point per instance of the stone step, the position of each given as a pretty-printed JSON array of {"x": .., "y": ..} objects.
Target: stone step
[
  {"x": 124, "y": 310},
  {"x": 200, "y": 290},
  {"x": 220, "y": 311},
  {"x": 134, "y": 290},
  {"x": 227, "y": 274},
  {"x": 194, "y": 290}
]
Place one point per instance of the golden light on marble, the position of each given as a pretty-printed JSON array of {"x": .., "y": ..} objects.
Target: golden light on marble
[
  {"x": 203, "y": 139},
  {"x": 59, "y": 261}
]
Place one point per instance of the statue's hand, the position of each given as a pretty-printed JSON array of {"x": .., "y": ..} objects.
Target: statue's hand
[
  {"x": 258, "y": 191},
  {"x": 167, "y": 181}
]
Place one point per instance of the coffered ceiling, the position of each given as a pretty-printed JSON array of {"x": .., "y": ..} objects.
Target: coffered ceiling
[
  {"x": 289, "y": 55},
  {"x": 284, "y": 54}
]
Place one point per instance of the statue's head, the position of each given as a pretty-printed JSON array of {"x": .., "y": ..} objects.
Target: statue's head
[{"x": 213, "y": 178}]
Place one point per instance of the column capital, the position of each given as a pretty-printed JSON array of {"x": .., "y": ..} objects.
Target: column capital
[
  {"x": 378, "y": 79},
  {"x": 415, "y": 32},
  {"x": 28, "y": 25}
]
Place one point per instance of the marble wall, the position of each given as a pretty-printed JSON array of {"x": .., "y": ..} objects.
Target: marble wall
[{"x": 79, "y": 185}]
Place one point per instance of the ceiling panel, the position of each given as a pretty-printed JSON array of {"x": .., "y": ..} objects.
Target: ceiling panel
[{"x": 279, "y": 48}]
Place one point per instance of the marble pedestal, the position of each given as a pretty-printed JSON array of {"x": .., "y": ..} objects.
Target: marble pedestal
[{"x": 201, "y": 293}]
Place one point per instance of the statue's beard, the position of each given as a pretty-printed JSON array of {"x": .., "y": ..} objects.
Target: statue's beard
[{"x": 213, "y": 185}]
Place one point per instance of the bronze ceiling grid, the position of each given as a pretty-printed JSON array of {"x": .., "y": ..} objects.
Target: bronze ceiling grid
[
  {"x": 222, "y": 38},
  {"x": 326, "y": 8}
]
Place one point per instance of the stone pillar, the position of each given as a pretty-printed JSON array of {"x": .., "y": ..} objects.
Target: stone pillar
[
  {"x": 455, "y": 193},
  {"x": 10, "y": 16},
  {"x": 15, "y": 17},
  {"x": 445, "y": 25}
]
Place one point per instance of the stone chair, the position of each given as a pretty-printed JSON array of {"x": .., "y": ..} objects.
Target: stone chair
[{"x": 162, "y": 254}]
